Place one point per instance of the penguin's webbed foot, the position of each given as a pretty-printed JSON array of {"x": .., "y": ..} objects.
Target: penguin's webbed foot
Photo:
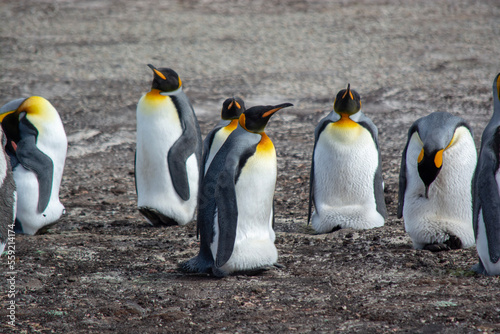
[
  {"x": 436, "y": 247},
  {"x": 479, "y": 268},
  {"x": 454, "y": 242},
  {"x": 156, "y": 218},
  {"x": 195, "y": 265}
]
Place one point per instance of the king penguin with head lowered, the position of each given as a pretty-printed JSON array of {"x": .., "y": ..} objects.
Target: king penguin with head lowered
[
  {"x": 346, "y": 184},
  {"x": 486, "y": 192},
  {"x": 168, "y": 153},
  {"x": 435, "y": 182},
  {"x": 236, "y": 201},
  {"x": 36, "y": 146}
]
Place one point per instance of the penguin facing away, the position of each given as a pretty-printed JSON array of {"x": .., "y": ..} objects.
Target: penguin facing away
[
  {"x": 486, "y": 193},
  {"x": 168, "y": 152},
  {"x": 437, "y": 166},
  {"x": 232, "y": 108},
  {"x": 346, "y": 185},
  {"x": 7, "y": 195},
  {"x": 236, "y": 201},
  {"x": 36, "y": 146}
]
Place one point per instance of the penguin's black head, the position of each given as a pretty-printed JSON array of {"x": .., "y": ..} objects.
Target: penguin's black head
[
  {"x": 232, "y": 108},
  {"x": 429, "y": 166},
  {"x": 347, "y": 101},
  {"x": 255, "y": 119},
  {"x": 165, "y": 79}
]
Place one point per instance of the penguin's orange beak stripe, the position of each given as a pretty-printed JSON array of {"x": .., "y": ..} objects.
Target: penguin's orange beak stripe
[
  {"x": 270, "y": 112},
  {"x": 230, "y": 105},
  {"x": 158, "y": 73},
  {"x": 237, "y": 105}
]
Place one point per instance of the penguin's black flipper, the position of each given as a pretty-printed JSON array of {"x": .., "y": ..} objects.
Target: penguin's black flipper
[
  {"x": 31, "y": 158},
  {"x": 402, "y": 175},
  {"x": 187, "y": 144}
]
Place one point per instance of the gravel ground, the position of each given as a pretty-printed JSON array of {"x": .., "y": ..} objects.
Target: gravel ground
[{"x": 102, "y": 269}]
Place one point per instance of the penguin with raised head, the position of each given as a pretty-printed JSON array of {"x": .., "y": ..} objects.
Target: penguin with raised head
[
  {"x": 486, "y": 193},
  {"x": 7, "y": 195},
  {"x": 346, "y": 186},
  {"x": 232, "y": 108},
  {"x": 168, "y": 152},
  {"x": 236, "y": 201},
  {"x": 36, "y": 146},
  {"x": 435, "y": 180}
]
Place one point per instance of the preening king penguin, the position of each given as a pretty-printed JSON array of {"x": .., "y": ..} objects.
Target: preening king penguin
[
  {"x": 7, "y": 195},
  {"x": 346, "y": 185},
  {"x": 235, "y": 213},
  {"x": 36, "y": 146},
  {"x": 230, "y": 113},
  {"x": 168, "y": 152},
  {"x": 486, "y": 193},
  {"x": 435, "y": 181}
]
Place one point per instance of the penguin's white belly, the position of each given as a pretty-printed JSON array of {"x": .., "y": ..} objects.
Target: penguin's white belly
[
  {"x": 156, "y": 133},
  {"x": 448, "y": 210},
  {"x": 345, "y": 162},
  {"x": 254, "y": 244},
  {"x": 219, "y": 139},
  {"x": 27, "y": 202}
]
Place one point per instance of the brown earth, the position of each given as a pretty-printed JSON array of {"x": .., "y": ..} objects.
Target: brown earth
[{"x": 102, "y": 269}]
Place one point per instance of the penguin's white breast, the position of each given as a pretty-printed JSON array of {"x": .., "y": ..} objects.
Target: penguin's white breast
[
  {"x": 219, "y": 139},
  {"x": 345, "y": 161}
]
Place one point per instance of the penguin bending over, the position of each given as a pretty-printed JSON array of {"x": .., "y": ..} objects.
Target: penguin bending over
[
  {"x": 7, "y": 195},
  {"x": 36, "y": 146},
  {"x": 231, "y": 111},
  {"x": 346, "y": 185},
  {"x": 437, "y": 166},
  {"x": 168, "y": 152},
  {"x": 236, "y": 201},
  {"x": 486, "y": 193}
]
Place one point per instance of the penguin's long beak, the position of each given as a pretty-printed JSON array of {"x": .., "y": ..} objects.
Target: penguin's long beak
[
  {"x": 348, "y": 91},
  {"x": 278, "y": 107},
  {"x": 158, "y": 73}
]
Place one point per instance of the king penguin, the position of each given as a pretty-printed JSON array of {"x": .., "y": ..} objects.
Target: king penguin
[
  {"x": 486, "y": 191},
  {"x": 435, "y": 181},
  {"x": 346, "y": 184},
  {"x": 36, "y": 146},
  {"x": 8, "y": 195},
  {"x": 236, "y": 201},
  {"x": 232, "y": 108},
  {"x": 168, "y": 152}
]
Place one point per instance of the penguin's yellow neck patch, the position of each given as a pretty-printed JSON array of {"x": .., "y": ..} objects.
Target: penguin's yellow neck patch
[
  {"x": 346, "y": 122},
  {"x": 265, "y": 145},
  {"x": 154, "y": 97},
  {"x": 232, "y": 126}
]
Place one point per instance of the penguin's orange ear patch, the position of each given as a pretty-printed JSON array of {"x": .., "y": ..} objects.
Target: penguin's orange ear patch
[{"x": 158, "y": 73}]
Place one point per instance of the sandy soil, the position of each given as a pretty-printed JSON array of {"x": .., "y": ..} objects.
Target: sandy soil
[{"x": 102, "y": 269}]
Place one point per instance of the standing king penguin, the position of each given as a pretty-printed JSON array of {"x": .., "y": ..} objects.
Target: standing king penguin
[
  {"x": 36, "y": 146},
  {"x": 236, "y": 201},
  {"x": 7, "y": 195},
  {"x": 346, "y": 184},
  {"x": 168, "y": 153},
  {"x": 486, "y": 191},
  {"x": 435, "y": 181},
  {"x": 232, "y": 108}
]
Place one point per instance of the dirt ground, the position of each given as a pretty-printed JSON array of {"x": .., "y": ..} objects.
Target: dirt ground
[{"x": 103, "y": 269}]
